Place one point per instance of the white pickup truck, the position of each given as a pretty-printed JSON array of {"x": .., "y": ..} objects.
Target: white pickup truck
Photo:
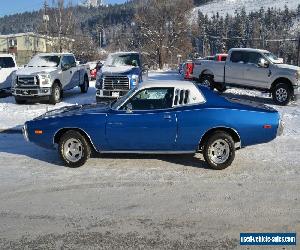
[
  {"x": 251, "y": 69},
  {"x": 8, "y": 67},
  {"x": 47, "y": 75}
]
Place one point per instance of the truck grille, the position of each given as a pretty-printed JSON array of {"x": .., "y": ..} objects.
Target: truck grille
[
  {"x": 116, "y": 82},
  {"x": 27, "y": 81}
]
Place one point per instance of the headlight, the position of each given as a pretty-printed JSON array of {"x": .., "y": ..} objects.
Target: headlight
[
  {"x": 99, "y": 81},
  {"x": 14, "y": 80},
  {"x": 45, "y": 79},
  {"x": 135, "y": 80}
]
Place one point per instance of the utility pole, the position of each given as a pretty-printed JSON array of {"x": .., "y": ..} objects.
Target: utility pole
[{"x": 46, "y": 17}]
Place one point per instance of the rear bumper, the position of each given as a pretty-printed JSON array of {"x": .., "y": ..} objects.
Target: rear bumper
[
  {"x": 110, "y": 93},
  {"x": 280, "y": 128}
]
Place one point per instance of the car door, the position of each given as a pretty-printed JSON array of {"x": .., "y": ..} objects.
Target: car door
[
  {"x": 146, "y": 122},
  {"x": 234, "y": 68},
  {"x": 67, "y": 73},
  {"x": 255, "y": 75},
  {"x": 75, "y": 80},
  {"x": 7, "y": 69}
]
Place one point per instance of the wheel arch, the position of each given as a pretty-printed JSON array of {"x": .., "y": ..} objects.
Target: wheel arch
[
  {"x": 206, "y": 72},
  {"x": 59, "y": 133},
  {"x": 232, "y": 132},
  {"x": 282, "y": 80}
]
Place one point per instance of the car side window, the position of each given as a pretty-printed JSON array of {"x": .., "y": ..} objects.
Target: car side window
[
  {"x": 71, "y": 61},
  {"x": 182, "y": 97},
  {"x": 7, "y": 62},
  {"x": 237, "y": 57},
  {"x": 151, "y": 99},
  {"x": 253, "y": 58}
]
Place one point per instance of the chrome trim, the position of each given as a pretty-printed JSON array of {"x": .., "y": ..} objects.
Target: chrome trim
[
  {"x": 76, "y": 128},
  {"x": 280, "y": 128},
  {"x": 38, "y": 90},
  {"x": 25, "y": 133},
  {"x": 239, "y": 144},
  {"x": 147, "y": 152}
]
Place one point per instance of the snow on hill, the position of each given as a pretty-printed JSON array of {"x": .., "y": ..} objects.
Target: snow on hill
[{"x": 230, "y": 6}]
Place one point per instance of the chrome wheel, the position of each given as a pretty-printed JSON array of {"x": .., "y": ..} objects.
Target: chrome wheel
[
  {"x": 73, "y": 150},
  {"x": 57, "y": 94},
  {"x": 219, "y": 151},
  {"x": 281, "y": 95},
  {"x": 206, "y": 82}
]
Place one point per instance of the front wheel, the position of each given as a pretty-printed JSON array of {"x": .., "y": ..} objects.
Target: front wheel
[
  {"x": 219, "y": 151},
  {"x": 56, "y": 94},
  {"x": 282, "y": 94},
  {"x": 74, "y": 149},
  {"x": 85, "y": 86}
]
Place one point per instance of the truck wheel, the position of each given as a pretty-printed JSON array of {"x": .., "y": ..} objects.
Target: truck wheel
[
  {"x": 74, "y": 149},
  {"x": 19, "y": 100},
  {"x": 220, "y": 87},
  {"x": 207, "y": 81},
  {"x": 56, "y": 94},
  {"x": 85, "y": 86},
  {"x": 282, "y": 94},
  {"x": 219, "y": 150}
]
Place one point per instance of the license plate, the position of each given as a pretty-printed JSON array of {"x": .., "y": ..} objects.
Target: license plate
[{"x": 115, "y": 94}]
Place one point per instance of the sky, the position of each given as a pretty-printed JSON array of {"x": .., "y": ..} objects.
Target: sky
[{"x": 15, "y": 6}]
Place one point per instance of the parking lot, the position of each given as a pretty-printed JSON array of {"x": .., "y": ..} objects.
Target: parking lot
[{"x": 132, "y": 201}]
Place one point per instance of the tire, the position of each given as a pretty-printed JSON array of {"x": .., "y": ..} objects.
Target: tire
[
  {"x": 220, "y": 87},
  {"x": 73, "y": 140},
  {"x": 282, "y": 94},
  {"x": 219, "y": 150},
  {"x": 207, "y": 81},
  {"x": 56, "y": 94},
  {"x": 19, "y": 100},
  {"x": 85, "y": 86}
]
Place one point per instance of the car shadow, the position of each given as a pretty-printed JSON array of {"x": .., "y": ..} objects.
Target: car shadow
[{"x": 12, "y": 142}]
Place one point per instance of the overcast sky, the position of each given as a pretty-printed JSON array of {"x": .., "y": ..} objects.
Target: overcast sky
[{"x": 15, "y": 6}]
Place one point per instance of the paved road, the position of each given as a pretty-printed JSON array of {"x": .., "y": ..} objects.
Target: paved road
[{"x": 154, "y": 202}]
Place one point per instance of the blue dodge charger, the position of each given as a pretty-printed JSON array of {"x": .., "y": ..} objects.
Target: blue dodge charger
[{"x": 157, "y": 118}]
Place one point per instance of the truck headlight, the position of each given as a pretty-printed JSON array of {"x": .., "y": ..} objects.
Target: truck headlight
[
  {"x": 99, "y": 82},
  {"x": 14, "y": 80},
  {"x": 45, "y": 79},
  {"x": 135, "y": 80}
]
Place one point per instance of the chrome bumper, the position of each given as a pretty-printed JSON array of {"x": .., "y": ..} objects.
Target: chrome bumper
[
  {"x": 25, "y": 133},
  {"x": 280, "y": 128},
  {"x": 31, "y": 92}
]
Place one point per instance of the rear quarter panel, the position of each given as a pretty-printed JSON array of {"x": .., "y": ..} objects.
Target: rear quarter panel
[{"x": 194, "y": 123}]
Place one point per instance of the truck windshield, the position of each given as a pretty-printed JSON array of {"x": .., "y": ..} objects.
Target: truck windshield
[
  {"x": 6, "y": 62},
  {"x": 115, "y": 60},
  {"x": 117, "y": 103},
  {"x": 273, "y": 58},
  {"x": 44, "y": 61}
]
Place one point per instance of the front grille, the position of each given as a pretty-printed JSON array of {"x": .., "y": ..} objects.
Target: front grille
[
  {"x": 27, "y": 81},
  {"x": 116, "y": 82}
]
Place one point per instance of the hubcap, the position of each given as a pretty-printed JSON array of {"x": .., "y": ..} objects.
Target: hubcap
[
  {"x": 73, "y": 150},
  {"x": 57, "y": 93},
  {"x": 281, "y": 94},
  {"x": 218, "y": 151},
  {"x": 206, "y": 83}
]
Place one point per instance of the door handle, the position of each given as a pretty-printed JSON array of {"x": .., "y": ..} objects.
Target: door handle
[
  {"x": 168, "y": 117},
  {"x": 71, "y": 72}
]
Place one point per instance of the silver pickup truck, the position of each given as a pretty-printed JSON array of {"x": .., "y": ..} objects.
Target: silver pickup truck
[
  {"x": 47, "y": 75},
  {"x": 251, "y": 69}
]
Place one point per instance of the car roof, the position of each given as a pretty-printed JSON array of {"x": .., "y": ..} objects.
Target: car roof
[
  {"x": 6, "y": 55},
  {"x": 56, "y": 54},
  {"x": 167, "y": 84},
  {"x": 125, "y": 52}
]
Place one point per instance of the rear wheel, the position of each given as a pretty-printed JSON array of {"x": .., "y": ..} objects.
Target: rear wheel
[
  {"x": 219, "y": 150},
  {"x": 74, "y": 149},
  {"x": 282, "y": 94},
  {"x": 56, "y": 94},
  {"x": 85, "y": 86},
  {"x": 207, "y": 81}
]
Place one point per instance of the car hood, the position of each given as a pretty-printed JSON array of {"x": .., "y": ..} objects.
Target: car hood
[
  {"x": 287, "y": 66},
  {"x": 107, "y": 70},
  {"x": 75, "y": 110},
  {"x": 35, "y": 70}
]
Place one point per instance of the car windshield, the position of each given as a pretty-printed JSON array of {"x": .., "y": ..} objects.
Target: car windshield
[
  {"x": 273, "y": 58},
  {"x": 115, "y": 60},
  {"x": 118, "y": 102},
  {"x": 44, "y": 61}
]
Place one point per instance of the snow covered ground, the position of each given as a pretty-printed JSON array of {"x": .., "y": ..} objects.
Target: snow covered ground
[
  {"x": 144, "y": 202},
  {"x": 230, "y": 6}
]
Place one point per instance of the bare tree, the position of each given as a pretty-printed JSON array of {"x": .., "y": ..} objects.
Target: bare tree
[{"x": 162, "y": 28}]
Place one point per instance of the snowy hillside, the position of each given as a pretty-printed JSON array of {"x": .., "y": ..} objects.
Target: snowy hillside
[{"x": 230, "y": 6}]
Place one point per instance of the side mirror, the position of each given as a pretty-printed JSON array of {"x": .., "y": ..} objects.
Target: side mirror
[
  {"x": 263, "y": 63},
  {"x": 65, "y": 67},
  {"x": 129, "y": 108}
]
